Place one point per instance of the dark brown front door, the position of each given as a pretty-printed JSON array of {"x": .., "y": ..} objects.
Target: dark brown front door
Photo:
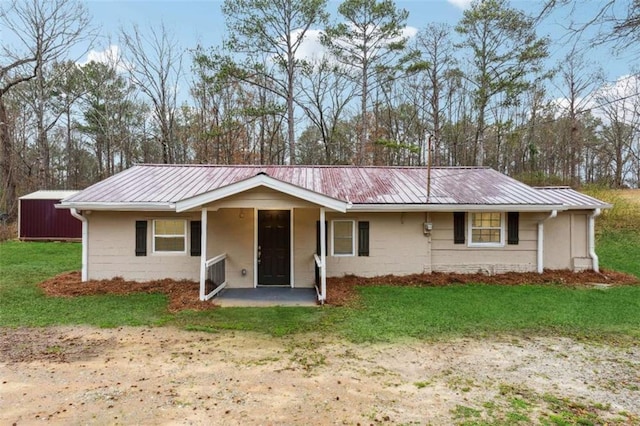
[{"x": 274, "y": 247}]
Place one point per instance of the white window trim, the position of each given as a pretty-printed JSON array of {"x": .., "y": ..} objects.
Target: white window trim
[
  {"x": 353, "y": 238},
  {"x": 470, "y": 231},
  {"x": 153, "y": 237}
]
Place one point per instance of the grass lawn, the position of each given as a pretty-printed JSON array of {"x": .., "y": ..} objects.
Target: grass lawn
[
  {"x": 383, "y": 314},
  {"x": 474, "y": 310},
  {"x": 620, "y": 250},
  {"x": 23, "y": 265}
]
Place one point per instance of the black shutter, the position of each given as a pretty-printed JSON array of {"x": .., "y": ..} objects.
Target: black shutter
[
  {"x": 363, "y": 238},
  {"x": 326, "y": 237},
  {"x": 458, "y": 227},
  {"x": 513, "y": 223},
  {"x": 196, "y": 238},
  {"x": 141, "y": 237}
]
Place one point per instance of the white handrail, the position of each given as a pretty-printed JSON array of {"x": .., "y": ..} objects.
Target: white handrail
[
  {"x": 318, "y": 261},
  {"x": 215, "y": 259}
]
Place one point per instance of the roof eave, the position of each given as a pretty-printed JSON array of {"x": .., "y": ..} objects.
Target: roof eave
[
  {"x": 113, "y": 206},
  {"x": 456, "y": 207},
  {"x": 590, "y": 206}
]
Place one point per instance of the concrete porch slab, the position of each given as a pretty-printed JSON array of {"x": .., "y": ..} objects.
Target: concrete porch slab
[{"x": 266, "y": 296}]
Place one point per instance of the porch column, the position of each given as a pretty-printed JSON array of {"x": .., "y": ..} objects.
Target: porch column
[
  {"x": 203, "y": 252},
  {"x": 323, "y": 257}
]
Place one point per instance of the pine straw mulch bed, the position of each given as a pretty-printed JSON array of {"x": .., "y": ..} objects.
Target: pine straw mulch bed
[
  {"x": 184, "y": 294},
  {"x": 342, "y": 291}
]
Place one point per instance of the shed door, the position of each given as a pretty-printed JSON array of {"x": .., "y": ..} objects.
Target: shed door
[{"x": 274, "y": 247}]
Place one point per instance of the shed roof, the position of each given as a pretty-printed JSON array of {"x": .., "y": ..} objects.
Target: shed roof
[
  {"x": 165, "y": 185},
  {"x": 48, "y": 195}
]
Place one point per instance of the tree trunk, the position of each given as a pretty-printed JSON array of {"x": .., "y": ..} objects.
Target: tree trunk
[
  {"x": 361, "y": 152},
  {"x": 6, "y": 163}
]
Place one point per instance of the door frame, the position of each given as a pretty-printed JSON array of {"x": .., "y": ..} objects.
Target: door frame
[{"x": 255, "y": 247}]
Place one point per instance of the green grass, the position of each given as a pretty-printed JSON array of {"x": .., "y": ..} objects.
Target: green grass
[
  {"x": 384, "y": 314},
  {"x": 620, "y": 250},
  {"x": 389, "y": 313},
  {"x": 276, "y": 321},
  {"x": 22, "y": 303}
]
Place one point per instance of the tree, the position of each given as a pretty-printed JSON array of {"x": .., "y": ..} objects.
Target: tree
[
  {"x": 44, "y": 31},
  {"x": 579, "y": 80},
  {"x": 68, "y": 88},
  {"x": 369, "y": 41},
  {"x": 277, "y": 29},
  {"x": 436, "y": 48},
  {"x": 616, "y": 22},
  {"x": 621, "y": 117},
  {"x": 503, "y": 52},
  {"x": 106, "y": 109},
  {"x": 326, "y": 91},
  {"x": 154, "y": 62}
]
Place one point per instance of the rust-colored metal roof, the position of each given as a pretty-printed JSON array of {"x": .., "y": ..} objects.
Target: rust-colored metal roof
[
  {"x": 572, "y": 198},
  {"x": 358, "y": 185}
]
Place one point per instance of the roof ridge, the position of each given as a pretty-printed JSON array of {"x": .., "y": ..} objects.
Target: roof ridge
[{"x": 320, "y": 166}]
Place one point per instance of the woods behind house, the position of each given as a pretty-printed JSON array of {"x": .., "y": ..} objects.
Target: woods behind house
[{"x": 375, "y": 92}]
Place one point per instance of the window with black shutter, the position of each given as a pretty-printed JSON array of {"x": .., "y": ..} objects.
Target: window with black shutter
[
  {"x": 141, "y": 237},
  {"x": 513, "y": 225},
  {"x": 363, "y": 238},
  {"x": 196, "y": 238},
  {"x": 458, "y": 228}
]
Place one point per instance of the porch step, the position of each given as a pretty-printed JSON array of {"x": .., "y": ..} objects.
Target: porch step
[{"x": 266, "y": 296}]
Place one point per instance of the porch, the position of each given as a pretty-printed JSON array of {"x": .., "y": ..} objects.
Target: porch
[{"x": 266, "y": 296}]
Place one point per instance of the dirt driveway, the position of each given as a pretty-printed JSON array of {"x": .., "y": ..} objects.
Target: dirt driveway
[{"x": 82, "y": 375}]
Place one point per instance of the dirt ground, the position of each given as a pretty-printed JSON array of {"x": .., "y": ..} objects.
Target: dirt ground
[{"x": 83, "y": 375}]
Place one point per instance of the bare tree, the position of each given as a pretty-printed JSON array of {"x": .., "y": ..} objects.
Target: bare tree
[
  {"x": 154, "y": 61},
  {"x": 434, "y": 43},
  {"x": 41, "y": 32},
  {"x": 579, "y": 80},
  {"x": 618, "y": 104},
  {"x": 616, "y": 22},
  {"x": 326, "y": 93}
]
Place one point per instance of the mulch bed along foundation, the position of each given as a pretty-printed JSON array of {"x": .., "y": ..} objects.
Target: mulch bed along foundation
[
  {"x": 184, "y": 294},
  {"x": 341, "y": 291}
]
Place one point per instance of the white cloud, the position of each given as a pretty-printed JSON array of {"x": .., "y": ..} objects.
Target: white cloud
[
  {"x": 620, "y": 98},
  {"x": 409, "y": 32},
  {"x": 110, "y": 56},
  {"x": 311, "y": 49},
  {"x": 461, "y": 4}
]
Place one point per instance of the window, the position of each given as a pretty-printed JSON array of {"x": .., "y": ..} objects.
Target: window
[
  {"x": 486, "y": 229},
  {"x": 343, "y": 238},
  {"x": 169, "y": 236}
]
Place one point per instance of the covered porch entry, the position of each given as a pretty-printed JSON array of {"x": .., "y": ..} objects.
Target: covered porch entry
[{"x": 262, "y": 234}]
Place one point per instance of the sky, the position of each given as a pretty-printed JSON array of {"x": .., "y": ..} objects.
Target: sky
[{"x": 200, "y": 22}]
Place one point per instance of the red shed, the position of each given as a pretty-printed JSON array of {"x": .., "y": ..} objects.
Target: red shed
[{"x": 38, "y": 219}]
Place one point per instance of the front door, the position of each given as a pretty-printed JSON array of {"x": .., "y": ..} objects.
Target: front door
[{"x": 274, "y": 247}]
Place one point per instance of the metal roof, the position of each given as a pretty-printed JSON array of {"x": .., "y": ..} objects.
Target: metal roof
[
  {"x": 572, "y": 198},
  {"x": 48, "y": 195},
  {"x": 359, "y": 185}
]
